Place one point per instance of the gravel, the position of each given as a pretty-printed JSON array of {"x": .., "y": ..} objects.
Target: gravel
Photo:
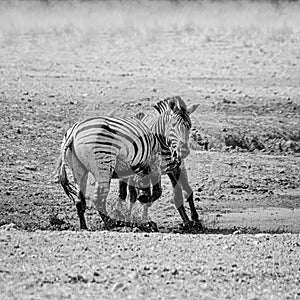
[{"x": 113, "y": 265}]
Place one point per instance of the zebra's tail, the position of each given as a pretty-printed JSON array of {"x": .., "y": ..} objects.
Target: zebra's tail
[
  {"x": 62, "y": 178},
  {"x": 61, "y": 174}
]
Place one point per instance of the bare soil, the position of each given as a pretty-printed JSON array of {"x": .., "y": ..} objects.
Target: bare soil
[
  {"x": 61, "y": 63},
  {"x": 111, "y": 265}
]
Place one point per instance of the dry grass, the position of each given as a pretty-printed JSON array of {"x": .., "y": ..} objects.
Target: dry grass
[{"x": 210, "y": 19}]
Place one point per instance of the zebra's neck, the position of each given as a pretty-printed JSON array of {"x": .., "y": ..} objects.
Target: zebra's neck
[
  {"x": 159, "y": 126},
  {"x": 160, "y": 129}
]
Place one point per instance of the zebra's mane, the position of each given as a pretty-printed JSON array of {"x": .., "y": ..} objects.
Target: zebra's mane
[{"x": 179, "y": 107}]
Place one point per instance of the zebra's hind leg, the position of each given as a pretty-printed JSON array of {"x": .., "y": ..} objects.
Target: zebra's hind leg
[
  {"x": 81, "y": 204},
  {"x": 101, "y": 192},
  {"x": 80, "y": 174}
]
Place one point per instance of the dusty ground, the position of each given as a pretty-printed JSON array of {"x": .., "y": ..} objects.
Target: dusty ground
[
  {"x": 110, "y": 265},
  {"x": 240, "y": 62}
]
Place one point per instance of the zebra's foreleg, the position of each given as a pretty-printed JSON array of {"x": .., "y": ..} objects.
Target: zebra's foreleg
[
  {"x": 122, "y": 189},
  {"x": 156, "y": 191},
  {"x": 188, "y": 194},
  {"x": 145, "y": 215},
  {"x": 178, "y": 198},
  {"x": 121, "y": 211}
]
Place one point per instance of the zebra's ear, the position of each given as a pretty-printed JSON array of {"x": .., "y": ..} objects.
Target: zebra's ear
[
  {"x": 172, "y": 104},
  {"x": 192, "y": 108}
]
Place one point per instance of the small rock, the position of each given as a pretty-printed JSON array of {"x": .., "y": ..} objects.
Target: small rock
[
  {"x": 261, "y": 235},
  {"x": 31, "y": 167},
  {"x": 117, "y": 286},
  {"x": 134, "y": 275},
  {"x": 175, "y": 272},
  {"x": 236, "y": 232},
  {"x": 135, "y": 230},
  {"x": 226, "y": 101}
]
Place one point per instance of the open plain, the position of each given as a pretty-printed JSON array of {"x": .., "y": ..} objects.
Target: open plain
[{"x": 67, "y": 60}]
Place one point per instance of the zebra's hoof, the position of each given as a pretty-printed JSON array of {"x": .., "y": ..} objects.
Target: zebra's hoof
[
  {"x": 191, "y": 227},
  {"x": 197, "y": 225},
  {"x": 186, "y": 227}
]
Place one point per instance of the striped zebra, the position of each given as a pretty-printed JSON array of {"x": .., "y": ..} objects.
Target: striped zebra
[
  {"x": 108, "y": 148},
  {"x": 171, "y": 127}
]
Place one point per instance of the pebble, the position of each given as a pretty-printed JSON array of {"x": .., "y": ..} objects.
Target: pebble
[
  {"x": 236, "y": 232},
  {"x": 117, "y": 286},
  {"x": 31, "y": 167},
  {"x": 134, "y": 275}
]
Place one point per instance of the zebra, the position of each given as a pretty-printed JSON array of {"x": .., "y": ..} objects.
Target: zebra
[
  {"x": 171, "y": 127},
  {"x": 107, "y": 147}
]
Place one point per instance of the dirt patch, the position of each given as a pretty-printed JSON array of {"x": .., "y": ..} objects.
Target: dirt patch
[{"x": 133, "y": 265}]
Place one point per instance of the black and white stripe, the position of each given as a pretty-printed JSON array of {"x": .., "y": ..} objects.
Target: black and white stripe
[
  {"x": 108, "y": 148},
  {"x": 172, "y": 128}
]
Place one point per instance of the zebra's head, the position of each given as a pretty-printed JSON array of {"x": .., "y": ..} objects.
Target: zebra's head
[{"x": 177, "y": 125}]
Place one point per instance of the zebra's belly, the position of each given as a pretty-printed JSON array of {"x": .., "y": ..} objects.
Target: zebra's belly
[{"x": 123, "y": 169}]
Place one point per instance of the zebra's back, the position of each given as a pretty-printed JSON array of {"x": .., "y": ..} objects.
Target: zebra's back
[{"x": 124, "y": 143}]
